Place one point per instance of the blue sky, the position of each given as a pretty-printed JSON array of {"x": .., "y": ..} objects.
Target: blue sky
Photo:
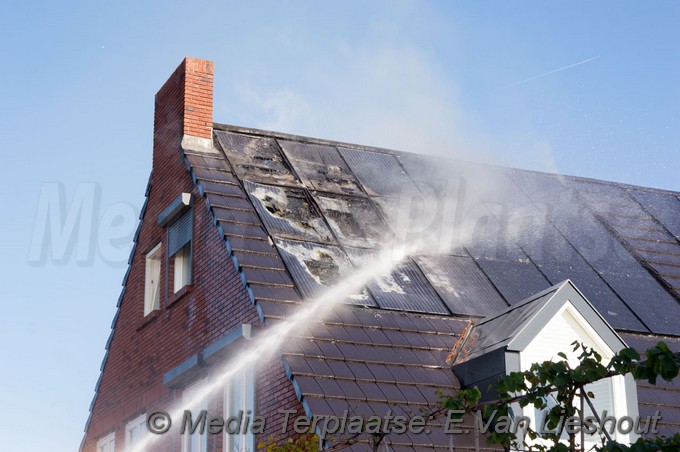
[{"x": 460, "y": 79}]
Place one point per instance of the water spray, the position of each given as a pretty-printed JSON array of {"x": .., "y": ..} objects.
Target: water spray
[{"x": 269, "y": 341}]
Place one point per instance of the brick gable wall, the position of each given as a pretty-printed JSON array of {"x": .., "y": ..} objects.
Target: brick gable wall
[{"x": 142, "y": 349}]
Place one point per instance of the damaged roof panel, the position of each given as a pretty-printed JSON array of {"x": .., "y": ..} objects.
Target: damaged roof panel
[
  {"x": 462, "y": 285},
  {"x": 316, "y": 267},
  {"x": 256, "y": 158},
  {"x": 380, "y": 173},
  {"x": 405, "y": 288},
  {"x": 355, "y": 221},
  {"x": 288, "y": 213},
  {"x": 321, "y": 168}
]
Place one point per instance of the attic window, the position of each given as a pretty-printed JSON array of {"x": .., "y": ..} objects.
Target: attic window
[
  {"x": 180, "y": 250},
  {"x": 152, "y": 293}
]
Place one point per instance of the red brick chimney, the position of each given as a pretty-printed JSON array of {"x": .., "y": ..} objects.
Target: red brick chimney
[{"x": 184, "y": 107}]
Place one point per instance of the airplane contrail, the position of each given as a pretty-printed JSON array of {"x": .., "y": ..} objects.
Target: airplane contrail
[{"x": 563, "y": 68}]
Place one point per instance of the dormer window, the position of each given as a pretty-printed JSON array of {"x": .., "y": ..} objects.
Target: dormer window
[
  {"x": 567, "y": 326},
  {"x": 536, "y": 330}
]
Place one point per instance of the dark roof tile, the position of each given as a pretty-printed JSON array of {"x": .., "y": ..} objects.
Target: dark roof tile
[
  {"x": 351, "y": 389},
  {"x": 263, "y": 292},
  {"x": 360, "y": 371},
  {"x": 340, "y": 369},
  {"x": 380, "y": 372},
  {"x": 309, "y": 386}
]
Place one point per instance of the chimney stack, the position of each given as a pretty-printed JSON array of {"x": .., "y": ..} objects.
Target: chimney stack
[{"x": 183, "y": 110}]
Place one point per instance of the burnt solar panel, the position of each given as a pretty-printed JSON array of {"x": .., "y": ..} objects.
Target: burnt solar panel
[
  {"x": 514, "y": 280},
  {"x": 380, "y": 173},
  {"x": 286, "y": 212},
  {"x": 315, "y": 268},
  {"x": 354, "y": 221},
  {"x": 607, "y": 303},
  {"x": 321, "y": 168},
  {"x": 256, "y": 158},
  {"x": 462, "y": 285},
  {"x": 405, "y": 288}
]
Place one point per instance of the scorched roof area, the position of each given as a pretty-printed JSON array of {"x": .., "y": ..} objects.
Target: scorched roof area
[{"x": 327, "y": 206}]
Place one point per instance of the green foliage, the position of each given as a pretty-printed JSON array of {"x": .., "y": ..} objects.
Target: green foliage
[
  {"x": 645, "y": 445},
  {"x": 559, "y": 380},
  {"x": 308, "y": 442}
]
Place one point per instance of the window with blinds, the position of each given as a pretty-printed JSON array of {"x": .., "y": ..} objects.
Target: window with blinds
[{"x": 180, "y": 234}]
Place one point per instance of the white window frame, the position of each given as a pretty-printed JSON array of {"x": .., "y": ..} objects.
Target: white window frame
[
  {"x": 107, "y": 443},
  {"x": 182, "y": 267},
  {"x": 138, "y": 422},
  {"x": 195, "y": 408},
  {"x": 152, "y": 280},
  {"x": 244, "y": 383},
  {"x": 590, "y": 338}
]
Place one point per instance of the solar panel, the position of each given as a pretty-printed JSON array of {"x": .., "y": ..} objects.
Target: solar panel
[
  {"x": 286, "y": 212},
  {"x": 428, "y": 172},
  {"x": 545, "y": 245},
  {"x": 461, "y": 284},
  {"x": 404, "y": 289},
  {"x": 607, "y": 303},
  {"x": 355, "y": 221},
  {"x": 488, "y": 237},
  {"x": 648, "y": 299},
  {"x": 645, "y": 297},
  {"x": 665, "y": 209},
  {"x": 594, "y": 242},
  {"x": 600, "y": 189},
  {"x": 380, "y": 173},
  {"x": 321, "y": 167},
  {"x": 255, "y": 158},
  {"x": 316, "y": 267},
  {"x": 514, "y": 280}
]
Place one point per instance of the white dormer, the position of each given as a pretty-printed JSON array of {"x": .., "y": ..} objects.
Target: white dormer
[{"x": 536, "y": 330}]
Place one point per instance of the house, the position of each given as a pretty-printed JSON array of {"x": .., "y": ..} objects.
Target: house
[{"x": 241, "y": 227}]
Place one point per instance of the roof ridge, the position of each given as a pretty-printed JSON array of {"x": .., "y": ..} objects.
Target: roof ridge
[{"x": 383, "y": 150}]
